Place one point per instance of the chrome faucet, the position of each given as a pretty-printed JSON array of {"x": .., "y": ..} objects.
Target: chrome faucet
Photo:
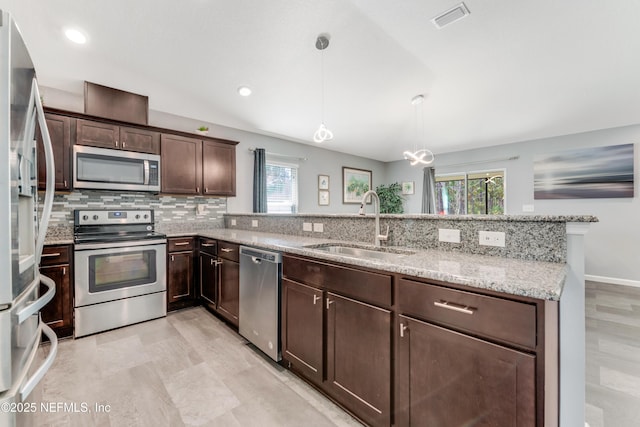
[{"x": 376, "y": 206}]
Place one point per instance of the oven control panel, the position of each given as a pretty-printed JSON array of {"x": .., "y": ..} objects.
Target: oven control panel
[{"x": 113, "y": 216}]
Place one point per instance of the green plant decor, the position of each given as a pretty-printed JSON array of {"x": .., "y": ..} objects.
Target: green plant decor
[
  {"x": 203, "y": 128},
  {"x": 391, "y": 199}
]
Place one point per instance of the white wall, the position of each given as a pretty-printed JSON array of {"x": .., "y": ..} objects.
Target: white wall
[
  {"x": 318, "y": 160},
  {"x": 612, "y": 245}
]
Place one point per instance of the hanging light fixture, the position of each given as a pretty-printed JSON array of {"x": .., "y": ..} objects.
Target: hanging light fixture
[
  {"x": 422, "y": 156},
  {"x": 322, "y": 134}
]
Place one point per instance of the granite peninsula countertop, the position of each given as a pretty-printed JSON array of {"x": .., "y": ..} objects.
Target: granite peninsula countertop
[{"x": 536, "y": 279}]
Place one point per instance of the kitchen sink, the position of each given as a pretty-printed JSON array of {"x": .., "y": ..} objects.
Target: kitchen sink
[{"x": 372, "y": 252}]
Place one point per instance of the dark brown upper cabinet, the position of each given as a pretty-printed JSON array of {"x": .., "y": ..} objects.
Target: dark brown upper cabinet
[
  {"x": 192, "y": 166},
  {"x": 218, "y": 168},
  {"x": 60, "y": 128},
  {"x": 106, "y": 135},
  {"x": 181, "y": 165}
]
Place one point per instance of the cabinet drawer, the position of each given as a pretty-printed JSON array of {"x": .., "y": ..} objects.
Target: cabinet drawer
[
  {"x": 230, "y": 251},
  {"x": 208, "y": 246},
  {"x": 180, "y": 244},
  {"x": 365, "y": 286},
  {"x": 501, "y": 319},
  {"x": 53, "y": 255}
]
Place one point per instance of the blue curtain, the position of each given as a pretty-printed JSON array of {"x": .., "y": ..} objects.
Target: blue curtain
[
  {"x": 259, "y": 181},
  {"x": 429, "y": 191}
]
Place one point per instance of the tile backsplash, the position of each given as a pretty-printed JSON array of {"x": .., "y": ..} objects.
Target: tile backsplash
[{"x": 170, "y": 211}]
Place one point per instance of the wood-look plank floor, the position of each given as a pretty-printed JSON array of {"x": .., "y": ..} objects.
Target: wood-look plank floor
[
  {"x": 613, "y": 355},
  {"x": 188, "y": 369}
]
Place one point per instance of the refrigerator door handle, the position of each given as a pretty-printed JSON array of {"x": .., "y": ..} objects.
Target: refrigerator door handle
[
  {"x": 33, "y": 381},
  {"x": 37, "y": 305},
  {"x": 50, "y": 185}
]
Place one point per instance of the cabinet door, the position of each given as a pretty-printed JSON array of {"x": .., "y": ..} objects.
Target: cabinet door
[
  {"x": 450, "y": 379},
  {"x": 208, "y": 279},
  {"x": 140, "y": 140},
  {"x": 218, "y": 168},
  {"x": 97, "y": 134},
  {"x": 58, "y": 313},
  {"x": 301, "y": 329},
  {"x": 60, "y": 132},
  {"x": 229, "y": 290},
  {"x": 359, "y": 358},
  {"x": 181, "y": 164},
  {"x": 180, "y": 289}
]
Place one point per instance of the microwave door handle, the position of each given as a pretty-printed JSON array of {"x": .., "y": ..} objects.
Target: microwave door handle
[{"x": 146, "y": 172}]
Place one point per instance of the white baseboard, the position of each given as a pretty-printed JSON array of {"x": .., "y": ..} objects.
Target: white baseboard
[{"x": 613, "y": 280}]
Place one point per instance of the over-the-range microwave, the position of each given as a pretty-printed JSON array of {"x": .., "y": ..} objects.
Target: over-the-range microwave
[{"x": 108, "y": 169}]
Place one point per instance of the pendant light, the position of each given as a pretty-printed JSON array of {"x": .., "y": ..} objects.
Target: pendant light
[
  {"x": 422, "y": 156},
  {"x": 322, "y": 134}
]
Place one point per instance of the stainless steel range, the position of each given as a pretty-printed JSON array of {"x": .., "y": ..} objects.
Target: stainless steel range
[{"x": 120, "y": 265}]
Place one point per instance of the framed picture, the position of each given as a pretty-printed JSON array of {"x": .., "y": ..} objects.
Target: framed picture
[
  {"x": 408, "y": 187},
  {"x": 323, "y": 197},
  {"x": 323, "y": 182},
  {"x": 355, "y": 182}
]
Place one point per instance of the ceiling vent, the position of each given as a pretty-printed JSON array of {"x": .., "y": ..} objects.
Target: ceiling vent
[{"x": 450, "y": 16}]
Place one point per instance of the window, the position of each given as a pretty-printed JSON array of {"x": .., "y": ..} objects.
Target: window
[
  {"x": 282, "y": 187},
  {"x": 472, "y": 193}
]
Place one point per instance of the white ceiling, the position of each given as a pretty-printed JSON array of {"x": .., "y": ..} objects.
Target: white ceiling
[{"x": 511, "y": 71}]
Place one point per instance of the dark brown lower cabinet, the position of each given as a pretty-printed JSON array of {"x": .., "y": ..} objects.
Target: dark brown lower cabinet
[
  {"x": 359, "y": 357},
  {"x": 58, "y": 313},
  {"x": 302, "y": 329},
  {"x": 208, "y": 280},
  {"x": 180, "y": 279},
  {"x": 449, "y": 379},
  {"x": 229, "y": 290}
]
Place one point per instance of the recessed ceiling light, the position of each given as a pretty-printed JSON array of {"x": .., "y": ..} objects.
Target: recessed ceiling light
[
  {"x": 244, "y": 91},
  {"x": 75, "y": 35}
]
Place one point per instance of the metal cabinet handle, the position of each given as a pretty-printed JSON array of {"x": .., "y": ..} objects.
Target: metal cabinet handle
[
  {"x": 316, "y": 298},
  {"x": 403, "y": 328},
  {"x": 207, "y": 244},
  {"x": 206, "y": 190},
  {"x": 197, "y": 189},
  {"x": 123, "y": 144},
  {"x": 65, "y": 183},
  {"x": 450, "y": 306},
  {"x": 53, "y": 254},
  {"x": 64, "y": 271},
  {"x": 329, "y": 302},
  {"x": 226, "y": 250},
  {"x": 172, "y": 258},
  {"x": 181, "y": 243},
  {"x": 116, "y": 144}
]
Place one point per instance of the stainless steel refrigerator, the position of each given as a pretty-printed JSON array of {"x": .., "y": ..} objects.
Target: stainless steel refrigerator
[{"x": 22, "y": 231}]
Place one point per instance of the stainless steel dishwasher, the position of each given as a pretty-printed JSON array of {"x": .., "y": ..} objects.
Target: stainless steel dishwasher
[{"x": 259, "y": 319}]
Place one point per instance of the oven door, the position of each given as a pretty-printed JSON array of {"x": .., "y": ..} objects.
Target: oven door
[{"x": 108, "y": 272}]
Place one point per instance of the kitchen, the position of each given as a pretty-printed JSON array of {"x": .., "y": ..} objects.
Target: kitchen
[{"x": 169, "y": 111}]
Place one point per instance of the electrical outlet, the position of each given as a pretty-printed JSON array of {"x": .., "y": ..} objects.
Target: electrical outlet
[
  {"x": 307, "y": 226},
  {"x": 254, "y": 222},
  {"x": 527, "y": 208},
  {"x": 233, "y": 222},
  {"x": 449, "y": 235},
  {"x": 318, "y": 227},
  {"x": 492, "y": 238}
]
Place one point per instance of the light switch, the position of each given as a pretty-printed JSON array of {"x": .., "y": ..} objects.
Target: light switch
[
  {"x": 307, "y": 226},
  {"x": 492, "y": 238},
  {"x": 254, "y": 222},
  {"x": 449, "y": 235},
  {"x": 318, "y": 227},
  {"x": 233, "y": 222}
]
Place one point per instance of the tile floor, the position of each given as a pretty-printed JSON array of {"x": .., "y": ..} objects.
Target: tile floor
[
  {"x": 613, "y": 355},
  {"x": 188, "y": 369}
]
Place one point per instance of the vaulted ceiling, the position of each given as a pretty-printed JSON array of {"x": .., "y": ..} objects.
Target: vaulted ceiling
[{"x": 510, "y": 71}]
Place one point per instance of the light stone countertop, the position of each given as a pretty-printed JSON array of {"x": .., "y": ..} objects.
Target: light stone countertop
[{"x": 536, "y": 279}]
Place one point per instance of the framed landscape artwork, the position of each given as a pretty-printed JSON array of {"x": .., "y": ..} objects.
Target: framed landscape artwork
[
  {"x": 586, "y": 173},
  {"x": 355, "y": 182}
]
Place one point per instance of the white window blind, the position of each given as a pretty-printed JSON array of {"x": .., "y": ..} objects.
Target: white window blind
[{"x": 282, "y": 187}]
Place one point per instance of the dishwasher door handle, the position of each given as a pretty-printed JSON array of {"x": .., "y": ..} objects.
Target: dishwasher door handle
[{"x": 256, "y": 260}]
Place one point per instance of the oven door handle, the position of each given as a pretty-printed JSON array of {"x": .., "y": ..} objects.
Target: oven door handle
[
  {"x": 38, "y": 304},
  {"x": 128, "y": 244}
]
